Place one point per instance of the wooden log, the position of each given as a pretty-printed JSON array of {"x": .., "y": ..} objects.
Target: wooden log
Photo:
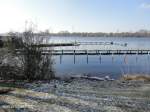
[
  {"x": 5, "y": 90},
  {"x": 106, "y": 78}
]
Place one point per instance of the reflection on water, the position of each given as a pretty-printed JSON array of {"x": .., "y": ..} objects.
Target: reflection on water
[
  {"x": 100, "y": 65},
  {"x": 113, "y": 66}
]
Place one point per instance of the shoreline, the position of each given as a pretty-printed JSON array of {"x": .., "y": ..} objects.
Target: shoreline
[{"x": 79, "y": 95}]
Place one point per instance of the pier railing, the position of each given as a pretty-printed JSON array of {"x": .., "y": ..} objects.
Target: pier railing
[
  {"x": 92, "y": 52},
  {"x": 96, "y": 52}
]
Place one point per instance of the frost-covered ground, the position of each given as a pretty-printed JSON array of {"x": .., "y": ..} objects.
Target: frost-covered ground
[{"x": 79, "y": 95}]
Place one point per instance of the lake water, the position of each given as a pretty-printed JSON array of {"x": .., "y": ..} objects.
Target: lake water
[{"x": 113, "y": 66}]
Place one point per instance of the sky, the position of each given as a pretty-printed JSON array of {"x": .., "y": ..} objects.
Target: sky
[{"x": 75, "y": 15}]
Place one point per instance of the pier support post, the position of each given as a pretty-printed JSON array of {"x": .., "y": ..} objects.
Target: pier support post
[
  {"x": 112, "y": 57},
  {"x": 137, "y": 57},
  {"x": 125, "y": 59},
  {"x": 100, "y": 57},
  {"x": 61, "y": 56},
  {"x": 60, "y": 59},
  {"x": 74, "y": 57},
  {"x": 148, "y": 55},
  {"x": 87, "y": 58}
]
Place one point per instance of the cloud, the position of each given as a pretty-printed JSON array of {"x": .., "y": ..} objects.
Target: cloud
[{"x": 145, "y": 5}]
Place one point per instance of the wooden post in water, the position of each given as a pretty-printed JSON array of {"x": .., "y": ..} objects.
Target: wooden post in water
[
  {"x": 112, "y": 57},
  {"x": 87, "y": 59},
  {"x": 99, "y": 56},
  {"x": 60, "y": 58},
  {"x": 125, "y": 58},
  {"x": 148, "y": 54},
  {"x": 74, "y": 57},
  {"x": 136, "y": 57}
]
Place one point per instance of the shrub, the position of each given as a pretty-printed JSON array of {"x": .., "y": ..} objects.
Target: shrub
[
  {"x": 8, "y": 72},
  {"x": 35, "y": 65},
  {"x": 17, "y": 42},
  {"x": 29, "y": 64},
  {"x": 1, "y": 44}
]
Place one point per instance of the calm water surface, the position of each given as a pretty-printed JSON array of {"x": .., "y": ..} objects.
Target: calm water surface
[{"x": 114, "y": 66}]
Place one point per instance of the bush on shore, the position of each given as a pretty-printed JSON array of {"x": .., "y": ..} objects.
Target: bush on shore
[
  {"x": 32, "y": 64},
  {"x": 1, "y": 43}
]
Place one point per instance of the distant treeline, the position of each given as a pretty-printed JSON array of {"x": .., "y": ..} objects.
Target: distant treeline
[
  {"x": 140, "y": 33},
  {"x": 124, "y": 34}
]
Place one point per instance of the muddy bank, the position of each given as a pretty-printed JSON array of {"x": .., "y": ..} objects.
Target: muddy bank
[{"x": 79, "y": 95}]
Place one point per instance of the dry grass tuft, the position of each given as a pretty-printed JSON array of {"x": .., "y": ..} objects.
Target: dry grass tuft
[{"x": 136, "y": 77}]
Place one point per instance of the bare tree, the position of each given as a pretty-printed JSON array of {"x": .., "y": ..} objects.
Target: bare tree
[
  {"x": 35, "y": 65},
  {"x": 31, "y": 64}
]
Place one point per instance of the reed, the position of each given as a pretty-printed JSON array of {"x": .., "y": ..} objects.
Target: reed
[{"x": 137, "y": 77}]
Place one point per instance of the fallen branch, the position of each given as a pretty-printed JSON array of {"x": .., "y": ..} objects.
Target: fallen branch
[
  {"x": 5, "y": 90},
  {"x": 106, "y": 78}
]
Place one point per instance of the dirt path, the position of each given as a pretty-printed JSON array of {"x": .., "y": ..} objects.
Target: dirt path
[{"x": 79, "y": 96}]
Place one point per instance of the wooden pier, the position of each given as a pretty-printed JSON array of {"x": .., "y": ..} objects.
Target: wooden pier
[
  {"x": 97, "y": 52},
  {"x": 74, "y": 53},
  {"x": 100, "y": 43},
  {"x": 56, "y": 45},
  {"x": 78, "y": 44}
]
